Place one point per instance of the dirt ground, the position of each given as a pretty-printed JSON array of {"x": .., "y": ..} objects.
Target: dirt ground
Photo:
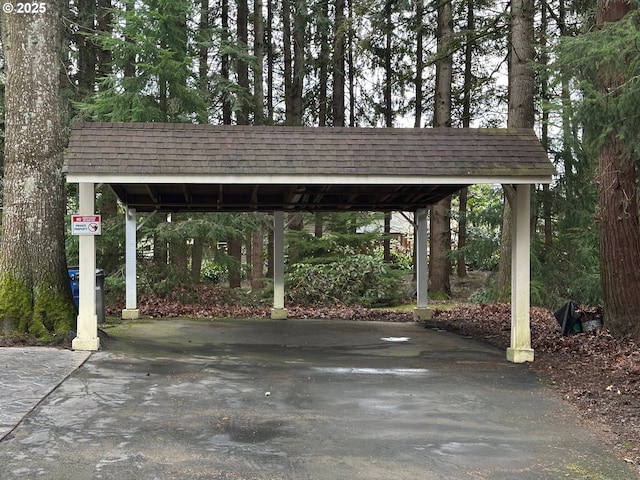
[{"x": 598, "y": 376}]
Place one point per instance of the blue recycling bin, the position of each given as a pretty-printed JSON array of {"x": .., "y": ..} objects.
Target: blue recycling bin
[{"x": 74, "y": 276}]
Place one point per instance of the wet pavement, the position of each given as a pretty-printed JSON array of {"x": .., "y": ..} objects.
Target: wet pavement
[{"x": 295, "y": 399}]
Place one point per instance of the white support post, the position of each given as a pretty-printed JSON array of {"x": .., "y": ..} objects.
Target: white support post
[
  {"x": 278, "y": 311},
  {"x": 87, "y": 332},
  {"x": 422, "y": 311},
  {"x": 520, "y": 350},
  {"x": 131, "y": 311}
]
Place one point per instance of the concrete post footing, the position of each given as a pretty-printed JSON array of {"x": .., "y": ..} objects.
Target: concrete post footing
[
  {"x": 88, "y": 344},
  {"x": 420, "y": 314},
  {"x": 520, "y": 355},
  {"x": 130, "y": 314},
  {"x": 279, "y": 313}
]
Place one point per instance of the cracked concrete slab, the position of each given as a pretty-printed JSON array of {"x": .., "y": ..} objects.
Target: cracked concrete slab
[
  {"x": 28, "y": 375},
  {"x": 301, "y": 399}
]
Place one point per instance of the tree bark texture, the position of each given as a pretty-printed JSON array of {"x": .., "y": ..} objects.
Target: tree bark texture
[
  {"x": 338, "y": 65},
  {"x": 521, "y": 73},
  {"x": 619, "y": 239},
  {"x": 419, "y": 62},
  {"x": 258, "y": 51},
  {"x": 257, "y": 260},
  {"x": 440, "y": 214},
  {"x": 234, "y": 249},
  {"x": 104, "y": 25},
  {"x": 520, "y": 115},
  {"x": 242, "y": 69},
  {"x": 619, "y": 222},
  {"x": 35, "y": 295}
]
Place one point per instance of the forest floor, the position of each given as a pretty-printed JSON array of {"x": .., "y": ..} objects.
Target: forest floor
[{"x": 596, "y": 375}]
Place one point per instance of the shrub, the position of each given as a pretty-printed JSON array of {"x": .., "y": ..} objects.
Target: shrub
[{"x": 353, "y": 280}]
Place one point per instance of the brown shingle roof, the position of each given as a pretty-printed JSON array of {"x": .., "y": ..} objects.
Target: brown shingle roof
[{"x": 153, "y": 151}]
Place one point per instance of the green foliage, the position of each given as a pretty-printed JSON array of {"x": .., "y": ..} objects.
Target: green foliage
[
  {"x": 400, "y": 260},
  {"x": 606, "y": 66},
  {"x": 355, "y": 279},
  {"x": 353, "y": 229},
  {"x": 344, "y": 265},
  {"x": 215, "y": 272},
  {"x": 484, "y": 222},
  {"x": 570, "y": 270},
  {"x": 153, "y": 40}
]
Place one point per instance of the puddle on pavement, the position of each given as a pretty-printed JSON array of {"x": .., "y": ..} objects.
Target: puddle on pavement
[{"x": 249, "y": 430}]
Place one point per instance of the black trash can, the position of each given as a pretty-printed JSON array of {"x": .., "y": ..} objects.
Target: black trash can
[{"x": 74, "y": 275}]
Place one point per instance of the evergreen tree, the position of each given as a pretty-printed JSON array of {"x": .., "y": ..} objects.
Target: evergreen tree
[{"x": 607, "y": 69}]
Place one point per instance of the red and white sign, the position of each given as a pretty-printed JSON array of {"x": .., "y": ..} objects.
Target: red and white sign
[{"x": 86, "y": 225}]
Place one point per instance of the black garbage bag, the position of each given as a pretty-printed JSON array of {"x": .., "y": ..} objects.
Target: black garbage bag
[{"x": 568, "y": 319}]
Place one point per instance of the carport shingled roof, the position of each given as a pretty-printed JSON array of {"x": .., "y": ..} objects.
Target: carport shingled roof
[{"x": 207, "y": 167}]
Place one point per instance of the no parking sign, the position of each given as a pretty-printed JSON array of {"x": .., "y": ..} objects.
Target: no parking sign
[{"x": 86, "y": 225}]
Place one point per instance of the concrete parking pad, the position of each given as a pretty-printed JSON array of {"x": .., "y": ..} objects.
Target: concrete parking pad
[{"x": 299, "y": 399}]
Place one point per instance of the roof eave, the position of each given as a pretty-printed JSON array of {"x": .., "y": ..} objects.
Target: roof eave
[{"x": 285, "y": 179}]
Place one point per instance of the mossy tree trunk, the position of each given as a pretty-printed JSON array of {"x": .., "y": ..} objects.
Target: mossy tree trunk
[{"x": 35, "y": 295}]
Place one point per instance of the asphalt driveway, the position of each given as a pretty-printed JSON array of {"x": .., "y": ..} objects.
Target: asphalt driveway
[{"x": 295, "y": 399}]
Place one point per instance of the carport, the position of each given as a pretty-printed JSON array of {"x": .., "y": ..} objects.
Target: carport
[{"x": 208, "y": 168}]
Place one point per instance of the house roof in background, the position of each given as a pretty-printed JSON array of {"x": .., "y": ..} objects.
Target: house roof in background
[{"x": 174, "y": 167}]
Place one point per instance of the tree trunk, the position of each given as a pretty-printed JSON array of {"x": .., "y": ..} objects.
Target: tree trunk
[
  {"x": 242, "y": 114},
  {"x": 419, "y": 62},
  {"x": 503, "y": 279},
  {"x": 388, "y": 81},
  {"x": 270, "y": 62},
  {"x": 196, "y": 259},
  {"x": 86, "y": 19},
  {"x": 319, "y": 225},
  {"x": 520, "y": 115},
  {"x": 257, "y": 262},
  {"x": 619, "y": 239},
  {"x": 258, "y": 52},
  {"x": 35, "y": 295},
  {"x": 178, "y": 254},
  {"x": 440, "y": 216},
  {"x": 130, "y": 32},
  {"x": 324, "y": 64},
  {"x": 386, "y": 242},
  {"x": 352, "y": 67},
  {"x": 461, "y": 265},
  {"x": 234, "y": 249},
  {"x": 619, "y": 222},
  {"x": 203, "y": 58},
  {"x": 104, "y": 26},
  {"x": 338, "y": 66},
  {"x": 224, "y": 63},
  {"x": 299, "y": 40},
  {"x": 546, "y": 98}
]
